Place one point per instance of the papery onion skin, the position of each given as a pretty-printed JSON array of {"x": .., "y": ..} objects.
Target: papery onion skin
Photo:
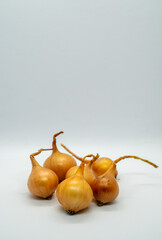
[
  {"x": 60, "y": 163},
  {"x": 71, "y": 172},
  {"x": 105, "y": 189},
  {"x": 87, "y": 173},
  {"x": 74, "y": 194},
  {"x": 101, "y": 165},
  {"x": 42, "y": 182}
]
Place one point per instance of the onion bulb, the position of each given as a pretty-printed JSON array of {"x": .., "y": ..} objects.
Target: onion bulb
[
  {"x": 74, "y": 193},
  {"x": 59, "y": 162},
  {"x": 105, "y": 187},
  {"x": 88, "y": 174},
  {"x": 101, "y": 165},
  {"x": 42, "y": 182}
]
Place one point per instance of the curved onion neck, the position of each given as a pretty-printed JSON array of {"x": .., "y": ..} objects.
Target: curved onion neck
[
  {"x": 54, "y": 146},
  {"x": 89, "y": 155},
  {"x": 129, "y": 156},
  {"x": 79, "y": 172},
  {"x": 94, "y": 158},
  {"x": 88, "y": 166},
  {"x": 73, "y": 154},
  {"x": 34, "y": 162},
  {"x": 32, "y": 158},
  {"x": 88, "y": 169},
  {"x": 81, "y": 168},
  {"x": 110, "y": 171}
]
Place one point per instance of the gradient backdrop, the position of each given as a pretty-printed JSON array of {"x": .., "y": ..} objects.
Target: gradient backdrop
[{"x": 94, "y": 70}]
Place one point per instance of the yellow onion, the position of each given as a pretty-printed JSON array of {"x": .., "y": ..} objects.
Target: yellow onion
[
  {"x": 101, "y": 165},
  {"x": 71, "y": 172},
  {"x": 59, "y": 162},
  {"x": 88, "y": 174},
  {"x": 105, "y": 187},
  {"x": 74, "y": 193},
  {"x": 42, "y": 182}
]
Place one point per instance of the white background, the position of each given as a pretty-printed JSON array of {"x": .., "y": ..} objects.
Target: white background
[{"x": 92, "y": 69}]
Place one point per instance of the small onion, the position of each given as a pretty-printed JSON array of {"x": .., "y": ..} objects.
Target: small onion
[
  {"x": 105, "y": 187},
  {"x": 59, "y": 162},
  {"x": 42, "y": 182},
  {"x": 74, "y": 193}
]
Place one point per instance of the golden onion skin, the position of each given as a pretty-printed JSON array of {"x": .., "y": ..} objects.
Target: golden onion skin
[
  {"x": 42, "y": 182},
  {"x": 87, "y": 173},
  {"x": 74, "y": 194},
  {"x": 101, "y": 165},
  {"x": 105, "y": 187},
  {"x": 71, "y": 172},
  {"x": 60, "y": 163}
]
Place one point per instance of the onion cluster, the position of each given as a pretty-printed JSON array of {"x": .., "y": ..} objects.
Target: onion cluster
[{"x": 75, "y": 186}]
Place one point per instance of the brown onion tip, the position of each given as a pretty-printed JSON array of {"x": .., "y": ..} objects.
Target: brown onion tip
[
  {"x": 70, "y": 212},
  {"x": 99, "y": 203},
  {"x": 48, "y": 198}
]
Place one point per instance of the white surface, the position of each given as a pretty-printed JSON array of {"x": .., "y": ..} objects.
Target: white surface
[
  {"x": 92, "y": 69},
  {"x": 136, "y": 214}
]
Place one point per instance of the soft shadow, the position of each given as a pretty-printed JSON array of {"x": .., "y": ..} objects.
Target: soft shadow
[
  {"x": 77, "y": 218},
  {"x": 62, "y": 210},
  {"x": 39, "y": 198},
  {"x": 39, "y": 202},
  {"x": 111, "y": 206}
]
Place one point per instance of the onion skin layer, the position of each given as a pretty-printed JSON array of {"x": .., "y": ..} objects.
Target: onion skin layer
[
  {"x": 74, "y": 194},
  {"x": 88, "y": 174},
  {"x": 42, "y": 182},
  {"x": 105, "y": 189},
  {"x": 71, "y": 172},
  {"x": 60, "y": 163},
  {"x": 101, "y": 165}
]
